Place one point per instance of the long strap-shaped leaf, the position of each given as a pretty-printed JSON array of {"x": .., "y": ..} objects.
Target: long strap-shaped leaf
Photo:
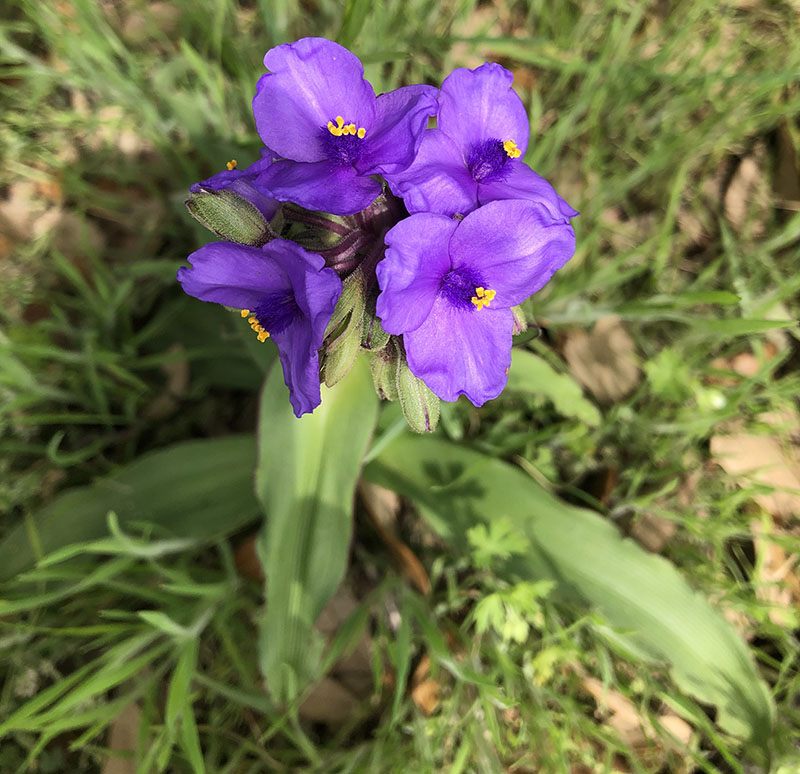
[
  {"x": 306, "y": 480},
  {"x": 656, "y": 614},
  {"x": 199, "y": 489}
]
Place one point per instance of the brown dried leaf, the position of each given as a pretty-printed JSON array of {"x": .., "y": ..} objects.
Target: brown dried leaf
[
  {"x": 19, "y": 209},
  {"x": 157, "y": 18},
  {"x": 768, "y": 460},
  {"x": 604, "y": 361},
  {"x": 122, "y": 736},
  {"x": 787, "y": 172},
  {"x": 778, "y": 583},
  {"x": 653, "y": 532},
  {"x": 424, "y": 689},
  {"x": 329, "y": 703},
  {"x": 482, "y": 22},
  {"x": 70, "y": 234},
  {"x": 382, "y": 506},
  {"x": 246, "y": 560},
  {"x": 634, "y": 727},
  {"x": 426, "y": 696},
  {"x": 341, "y": 693},
  {"x": 747, "y": 199}
]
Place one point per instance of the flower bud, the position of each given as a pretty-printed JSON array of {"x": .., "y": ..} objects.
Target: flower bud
[
  {"x": 344, "y": 333},
  {"x": 420, "y": 405},
  {"x": 230, "y": 215},
  {"x": 383, "y": 364}
]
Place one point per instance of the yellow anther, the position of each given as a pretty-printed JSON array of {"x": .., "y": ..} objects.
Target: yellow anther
[
  {"x": 341, "y": 128},
  {"x": 336, "y": 130},
  {"x": 255, "y": 325},
  {"x": 232, "y": 164},
  {"x": 510, "y": 147},
  {"x": 483, "y": 297}
]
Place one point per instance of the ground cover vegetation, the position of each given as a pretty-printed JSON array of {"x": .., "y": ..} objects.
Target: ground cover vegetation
[{"x": 504, "y": 605}]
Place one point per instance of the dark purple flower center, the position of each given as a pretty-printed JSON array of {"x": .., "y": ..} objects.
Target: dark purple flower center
[
  {"x": 458, "y": 287},
  {"x": 342, "y": 150},
  {"x": 277, "y": 311},
  {"x": 487, "y": 161}
]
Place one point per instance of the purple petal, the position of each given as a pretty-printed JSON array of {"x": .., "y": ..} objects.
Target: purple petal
[
  {"x": 458, "y": 352},
  {"x": 232, "y": 274},
  {"x": 320, "y": 186},
  {"x": 521, "y": 182},
  {"x": 438, "y": 180},
  {"x": 411, "y": 273},
  {"x": 242, "y": 181},
  {"x": 241, "y": 276},
  {"x": 400, "y": 121},
  {"x": 479, "y": 105},
  {"x": 311, "y": 82},
  {"x": 316, "y": 290},
  {"x": 316, "y": 287},
  {"x": 300, "y": 363},
  {"x": 516, "y": 246}
]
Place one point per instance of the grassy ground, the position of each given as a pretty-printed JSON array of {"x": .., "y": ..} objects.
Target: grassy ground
[{"x": 673, "y": 128}]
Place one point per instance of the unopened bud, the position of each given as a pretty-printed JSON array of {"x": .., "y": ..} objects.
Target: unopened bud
[
  {"x": 343, "y": 335},
  {"x": 383, "y": 364},
  {"x": 231, "y": 216},
  {"x": 420, "y": 405}
]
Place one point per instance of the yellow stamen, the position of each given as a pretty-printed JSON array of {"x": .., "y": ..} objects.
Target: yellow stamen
[
  {"x": 232, "y": 164},
  {"x": 483, "y": 297},
  {"x": 336, "y": 130},
  {"x": 510, "y": 147},
  {"x": 341, "y": 128},
  {"x": 255, "y": 325}
]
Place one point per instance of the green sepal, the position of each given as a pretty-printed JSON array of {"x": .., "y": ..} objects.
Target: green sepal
[
  {"x": 341, "y": 352},
  {"x": 383, "y": 364},
  {"x": 230, "y": 216},
  {"x": 343, "y": 335},
  {"x": 520, "y": 320},
  {"x": 420, "y": 405},
  {"x": 374, "y": 337}
]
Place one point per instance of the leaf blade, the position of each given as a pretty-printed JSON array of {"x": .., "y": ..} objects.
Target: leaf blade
[
  {"x": 198, "y": 489},
  {"x": 306, "y": 480},
  {"x": 662, "y": 619}
]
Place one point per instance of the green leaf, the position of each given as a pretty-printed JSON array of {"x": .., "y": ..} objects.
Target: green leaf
[
  {"x": 533, "y": 375},
  {"x": 198, "y": 489},
  {"x": 738, "y": 326},
  {"x": 306, "y": 479},
  {"x": 654, "y": 613},
  {"x": 180, "y": 684}
]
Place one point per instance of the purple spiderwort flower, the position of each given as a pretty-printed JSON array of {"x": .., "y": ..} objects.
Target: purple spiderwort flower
[
  {"x": 243, "y": 182},
  {"x": 321, "y": 117},
  {"x": 473, "y": 156},
  {"x": 285, "y": 292},
  {"x": 448, "y": 287}
]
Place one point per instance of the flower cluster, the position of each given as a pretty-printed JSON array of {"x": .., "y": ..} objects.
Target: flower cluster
[{"x": 361, "y": 229}]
